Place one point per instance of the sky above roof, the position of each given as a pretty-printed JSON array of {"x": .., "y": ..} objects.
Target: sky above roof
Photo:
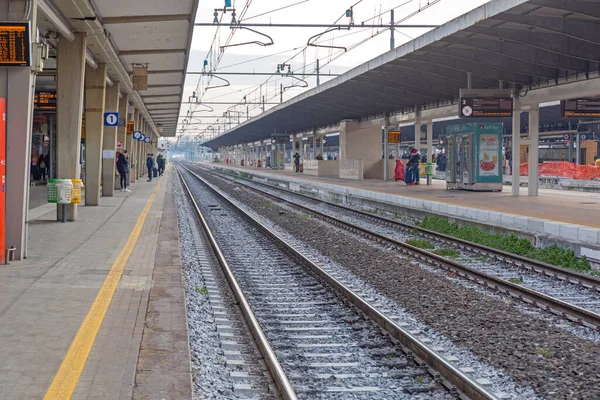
[{"x": 290, "y": 47}]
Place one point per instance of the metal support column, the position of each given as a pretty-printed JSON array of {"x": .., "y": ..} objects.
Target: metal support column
[
  {"x": 429, "y": 146},
  {"x": 534, "y": 136},
  {"x": 516, "y": 147}
]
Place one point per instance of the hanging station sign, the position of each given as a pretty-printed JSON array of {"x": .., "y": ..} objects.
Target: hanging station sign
[
  {"x": 485, "y": 103},
  {"x": 15, "y": 44},
  {"x": 580, "y": 108}
]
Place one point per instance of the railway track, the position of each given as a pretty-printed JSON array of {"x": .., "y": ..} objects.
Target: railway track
[
  {"x": 570, "y": 294},
  {"x": 316, "y": 335}
]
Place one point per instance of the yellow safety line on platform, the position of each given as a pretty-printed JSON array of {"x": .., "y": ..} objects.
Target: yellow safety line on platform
[{"x": 70, "y": 370}]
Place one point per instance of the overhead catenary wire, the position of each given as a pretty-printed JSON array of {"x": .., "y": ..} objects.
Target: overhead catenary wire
[{"x": 330, "y": 57}]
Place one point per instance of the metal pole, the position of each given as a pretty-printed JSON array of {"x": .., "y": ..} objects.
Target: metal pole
[
  {"x": 263, "y": 104},
  {"x": 64, "y": 213},
  {"x": 281, "y": 92},
  {"x": 268, "y": 25},
  {"x": 392, "y": 42},
  {"x": 318, "y": 73},
  {"x": 384, "y": 134},
  {"x": 577, "y": 150}
]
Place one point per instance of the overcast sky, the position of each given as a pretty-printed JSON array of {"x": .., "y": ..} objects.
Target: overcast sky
[{"x": 362, "y": 44}]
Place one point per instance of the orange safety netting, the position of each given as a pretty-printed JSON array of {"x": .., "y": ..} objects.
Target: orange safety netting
[{"x": 564, "y": 169}]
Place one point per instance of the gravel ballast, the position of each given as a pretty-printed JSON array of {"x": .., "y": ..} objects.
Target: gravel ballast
[{"x": 554, "y": 363}]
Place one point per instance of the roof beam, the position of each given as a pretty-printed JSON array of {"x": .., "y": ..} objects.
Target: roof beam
[
  {"x": 475, "y": 68},
  {"x": 548, "y": 42},
  {"x": 416, "y": 75},
  {"x": 405, "y": 82},
  {"x": 495, "y": 60},
  {"x": 446, "y": 73},
  {"x": 522, "y": 52},
  {"x": 167, "y": 85},
  {"x": 150, "y": 52},
  {"x": 166, "y": 71},
  {"x": 574, "y": 28},
  {"x": 585, "y": 8},
  {"x": 374, "y": 89},
  {"x": 146, "y": 96},
  {"x": 136, "y": 19}
]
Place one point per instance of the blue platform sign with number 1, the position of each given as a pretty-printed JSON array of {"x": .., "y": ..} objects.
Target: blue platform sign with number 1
[{"x": 111, "y": 119}]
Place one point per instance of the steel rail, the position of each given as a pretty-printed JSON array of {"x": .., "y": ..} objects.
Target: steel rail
[
  {"x": 451, "y": 376},
  {"x": 529, "y": 296},
  {"x": 574, "y": 277},
  {"x": 282, "y": 382}
]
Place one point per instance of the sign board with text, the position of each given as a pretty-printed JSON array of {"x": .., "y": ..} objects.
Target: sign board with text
[
  {"x": 485, "y": 103},
  {"x": 580, "y": 108},
  {"x": 15, "y": 44},
  {"x": 45, "y": 100},
  {"x": 394, "y": 136}
]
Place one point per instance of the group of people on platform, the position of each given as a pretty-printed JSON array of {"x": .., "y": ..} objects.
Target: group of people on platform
[{"x": 156, "y": 167}]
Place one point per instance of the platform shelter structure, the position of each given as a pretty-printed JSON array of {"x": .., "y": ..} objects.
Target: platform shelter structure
[
  {"x": 90, "y": 58},
  {"x": 540, "y": 51}
]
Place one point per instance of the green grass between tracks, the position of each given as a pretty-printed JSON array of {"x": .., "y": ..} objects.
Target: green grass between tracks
[{"x": 510, "y": 243}]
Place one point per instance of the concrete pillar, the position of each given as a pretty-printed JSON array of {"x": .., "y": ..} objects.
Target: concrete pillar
[
  {"x": 133, "y": 156},
  {"x": 516, "y": 146},
  {"x": 95, "y": 95},
  {"x": 362, "y": 141},
  {"x": 429, "y": 146},
  {"x": 16, "y": 86},
  {"x": 418, "y": 134},
  {"x": 69, "y": 109},
  {"x": 534, "y": 138},
  {"x": 109, "y": 142},
  {"x": 122, "y": 130}
]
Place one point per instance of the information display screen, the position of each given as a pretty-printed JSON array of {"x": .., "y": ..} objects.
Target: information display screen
[
  {"x": 394, "y": 136},
  {"x": 15, "y": 44},
  {"x": 45, "y": 100},
  {"x": 581, "y": 108},
  {"x": 486, "y": 107}
]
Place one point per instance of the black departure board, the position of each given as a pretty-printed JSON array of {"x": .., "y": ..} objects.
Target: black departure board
[
  {"x": 486, "y": 107},
  {"x": 581, "y": 108},
  {"x": 45, "y": 100},
  {"x": 15, "y": 44}
]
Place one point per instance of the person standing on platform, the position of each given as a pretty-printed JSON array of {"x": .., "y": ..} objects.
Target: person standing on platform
[
  {"x": 150, "y": 165},
  {"x": 42, "y": 166},
  {"x": 412, "y": 167},
  {"x": 160, "y": 160},
  {"x": 297, "y": 162},
  {"x": 154, "y": 166},
  {"x": 123, "y": 170}
]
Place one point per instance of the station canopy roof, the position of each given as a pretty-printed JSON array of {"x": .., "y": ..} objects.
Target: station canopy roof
[
  {"x": 523, "y": 43},
  {"x": 152, "y": 33}
]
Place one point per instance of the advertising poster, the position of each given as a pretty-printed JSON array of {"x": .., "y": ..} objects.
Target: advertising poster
[{"x": 489, "y": 148}]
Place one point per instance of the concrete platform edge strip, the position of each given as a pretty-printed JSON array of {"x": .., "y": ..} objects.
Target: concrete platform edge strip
[{"x": 64, "y": 383}]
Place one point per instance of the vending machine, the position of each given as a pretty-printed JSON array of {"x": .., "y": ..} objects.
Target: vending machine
[{"x": 474, "y": 157}]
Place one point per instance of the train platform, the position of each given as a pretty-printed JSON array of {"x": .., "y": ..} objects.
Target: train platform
[
  {"x": 553, "y": 215},
  {"x": 97, "y": 310}
]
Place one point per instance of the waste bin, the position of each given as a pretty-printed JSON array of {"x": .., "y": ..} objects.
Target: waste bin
[
  {"x": 76, "y": 191},
  {"x": 52, "y": 191},
  {"x": 64, "y": 190},
  {"x": 429, "y": 172}
]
